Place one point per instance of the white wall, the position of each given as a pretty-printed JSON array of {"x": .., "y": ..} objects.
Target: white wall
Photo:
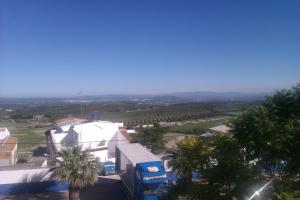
[
  {"x": 62, "y": 140},
  {"x": 4, "y": 134},
  {"x": 4, "y": 162},
  {"x": 93, "y": 135},
  {"x": 58, "y": 137},
  {"x": 117, "y": 139},
  {"x": 101, "y": 155},
  {"x": 14, "y": 155},
  {"x": 24, "y": 176}
]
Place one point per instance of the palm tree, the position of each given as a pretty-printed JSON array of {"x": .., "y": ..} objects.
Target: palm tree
[{"x": 78, "y": 168}]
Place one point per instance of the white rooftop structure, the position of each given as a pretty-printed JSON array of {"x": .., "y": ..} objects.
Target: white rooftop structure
[
  {"x": 4, "y": 133},
  {"x": 69, "y": 121},
  {"x": 130, "y": 131},
  {"x": 99, "y": 137},
  {"x": 221, "y": 128},
  {"x": 136, "y": 153},
  {"x": 208, "y": 134},
  {"x": 95, "y": 134}
]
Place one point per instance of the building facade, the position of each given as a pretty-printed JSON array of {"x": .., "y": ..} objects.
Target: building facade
[
  {"x": 8, "y": 148},
  {"x": 98, "y": 137}
]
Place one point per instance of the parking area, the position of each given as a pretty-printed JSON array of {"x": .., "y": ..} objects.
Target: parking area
[{"x": 108, "y": 188}]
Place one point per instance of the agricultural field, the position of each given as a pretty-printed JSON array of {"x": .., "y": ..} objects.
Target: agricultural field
[
  {"x": 172, "y": 138},
  {"x": 198, "y": 128},
  {"x": 30, "y": 135},
  {"x": 190, "y": 129},
  {"x": 191, "y": 118},
  {"x": 131, "y": 113}
]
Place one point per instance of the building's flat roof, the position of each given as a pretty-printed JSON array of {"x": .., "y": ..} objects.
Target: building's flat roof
[
  {"x": 221, "y": 128},
  {"x": 69, "y": 120},
  {"x": 136, "y": 153},
  {"x": 93, "y": 130}
]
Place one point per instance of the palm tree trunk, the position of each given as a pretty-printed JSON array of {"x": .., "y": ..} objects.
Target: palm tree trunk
[
  {"x": 188, "y": 177},
  {"x": 73, "y": 193}
]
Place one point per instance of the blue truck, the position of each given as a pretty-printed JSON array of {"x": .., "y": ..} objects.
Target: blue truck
[
  {"x": 108, "y": 168},
  {"x": 141, "y": 172}
]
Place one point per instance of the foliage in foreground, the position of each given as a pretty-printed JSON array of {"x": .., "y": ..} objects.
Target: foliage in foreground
[
  {"x": 219, "y": 164},
  {"x": 271, "y": 133},
  {"x": 78, "y": 168},
  {"x": 152, "y": 138},
  {"x": 268, "y": 134}
]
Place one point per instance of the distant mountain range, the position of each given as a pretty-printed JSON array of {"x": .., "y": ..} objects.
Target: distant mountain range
[
  {"x": 220, "y": 96},
  {"x": 179, "y": 97}
]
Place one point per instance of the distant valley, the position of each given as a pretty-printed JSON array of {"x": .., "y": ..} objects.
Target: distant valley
[{"x": 171, "y": 98}]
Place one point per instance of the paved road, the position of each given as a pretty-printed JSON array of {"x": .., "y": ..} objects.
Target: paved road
[{"x": 108, "y": 188}]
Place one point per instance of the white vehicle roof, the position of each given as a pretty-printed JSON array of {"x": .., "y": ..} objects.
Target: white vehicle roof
[{"x": 136, "y": 153}]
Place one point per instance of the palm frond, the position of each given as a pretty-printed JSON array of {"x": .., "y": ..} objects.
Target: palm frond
[{"x": 77, "y": 167}]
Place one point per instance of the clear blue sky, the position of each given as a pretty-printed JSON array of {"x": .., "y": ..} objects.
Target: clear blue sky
[{"x": 60, "y": 47}]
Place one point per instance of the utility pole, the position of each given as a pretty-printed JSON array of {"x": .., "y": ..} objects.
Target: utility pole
[{"x": 80, "y": 135}]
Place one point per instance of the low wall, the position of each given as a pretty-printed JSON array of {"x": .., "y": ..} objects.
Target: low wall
[
  {"x": 33, "y": 187},
  {"x": 28, "y": 181}
]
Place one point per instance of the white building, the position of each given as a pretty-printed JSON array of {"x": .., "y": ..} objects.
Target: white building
[
  {"x": 8, "y": 148},
  {"x": 98, "y": 137},
  {"x": 3, "y": 133}
]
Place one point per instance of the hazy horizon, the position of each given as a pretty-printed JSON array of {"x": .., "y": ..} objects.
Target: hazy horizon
[
  {"x": 82, "y": 95},
  {"x": 49, "y": 95}
]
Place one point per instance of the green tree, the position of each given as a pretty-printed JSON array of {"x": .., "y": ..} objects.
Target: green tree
[
  {"x": 253, "y": 130},
  {"x": 151, "y": 137},
  {"x": 229, "y": 175},
  {"x": 284, "y": 196},
  {"x": 78, "y": 168},
  {"x": 219, "y": 161},
  {"x": 192, "y": 155},
  {"x": 271, "y": 133},
  {"x": 284, "y": 109}
]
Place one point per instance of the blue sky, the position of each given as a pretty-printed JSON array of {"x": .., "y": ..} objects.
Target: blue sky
[{"x": 60, "y": 47}]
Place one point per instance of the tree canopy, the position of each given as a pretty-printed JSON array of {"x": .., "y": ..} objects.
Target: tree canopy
[
  {"x": 263, "y": 139},
  {"x": 151, "y": 137},
  {"x": 271, "y": 133}
]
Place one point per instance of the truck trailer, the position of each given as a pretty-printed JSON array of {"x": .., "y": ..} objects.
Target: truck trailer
[{"x": 141, "y": 172}]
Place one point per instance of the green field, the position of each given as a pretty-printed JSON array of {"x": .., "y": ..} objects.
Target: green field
[
  {"x": 196, "y": 128},
  {"x": 131, "y": 113},
  {"x": 30, "y": 133}
]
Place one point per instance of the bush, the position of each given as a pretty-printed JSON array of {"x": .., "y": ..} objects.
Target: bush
[{"x": 152, "y": 138}]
